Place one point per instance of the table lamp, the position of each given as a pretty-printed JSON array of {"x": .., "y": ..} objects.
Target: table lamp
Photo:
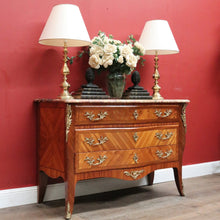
[
  {"x": 157, "y": 39},
  {"x": 65, "y": 28}
]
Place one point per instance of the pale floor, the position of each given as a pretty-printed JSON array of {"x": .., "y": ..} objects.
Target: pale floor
[{"x": 157, "y": 202}]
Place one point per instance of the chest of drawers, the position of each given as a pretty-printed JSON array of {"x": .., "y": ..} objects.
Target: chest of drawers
[{"x": 126, "y": 139}]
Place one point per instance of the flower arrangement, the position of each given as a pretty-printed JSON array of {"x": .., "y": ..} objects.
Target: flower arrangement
[{"x": 106, "y": 53}]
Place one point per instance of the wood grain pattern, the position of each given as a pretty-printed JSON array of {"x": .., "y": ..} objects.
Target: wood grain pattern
[
  {"x": 135, "y": 145},
  {"x": 115, "y": 116},
  {"x": 123, "y": 158},
  {"x": 119, "y": 173},
  {"x": 123, "y": 138},
  {"x": 51, "y": 140}
]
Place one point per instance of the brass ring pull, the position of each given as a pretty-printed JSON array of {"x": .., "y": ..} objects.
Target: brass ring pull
[
  {"x": 100, "y": 116},
  {"x": 101, "y": 140},
  {"x": 163, "y": 155},
  {"x": 100, "y": 160},
  {"x": 159, "y": 135},
  {"x": 134, "y": 174},
  {"x": 164, "y": 114}
]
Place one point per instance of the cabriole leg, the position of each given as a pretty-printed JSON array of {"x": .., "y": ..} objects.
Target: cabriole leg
[
  {"x": 70, "y": 197},
  {"x": 150, "y": 178},
  {"x": 42, "y": 185},
  {"x": 178, "y": 179}
]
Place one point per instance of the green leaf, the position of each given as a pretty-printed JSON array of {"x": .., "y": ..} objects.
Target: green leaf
[{"x": 81, "y": 54}]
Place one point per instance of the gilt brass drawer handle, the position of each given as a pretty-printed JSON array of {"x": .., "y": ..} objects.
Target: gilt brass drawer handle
[
  {"x": 135, "y": 114},
  {"x": 168, "y": 135},
  {"x": 100, "y": 160},
  {"x": 164, "y": 114},
  {"x": 135, "y": 136},
  {"x": 100, "y": 116},
  {"x": 101, "y": 140},
  {"x": 135, "y": 158},
  {"x": 134, "y": 174},
  {"x": 163, "y": 155}
]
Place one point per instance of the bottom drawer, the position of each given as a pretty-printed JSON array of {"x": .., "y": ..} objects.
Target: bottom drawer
[{"x": 103, "y": 160}]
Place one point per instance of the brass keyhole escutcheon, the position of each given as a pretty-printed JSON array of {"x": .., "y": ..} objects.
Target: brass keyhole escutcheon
[
  {"x": 135, "y": 158},
  {"x": 135, "y": 136},
  {"x": 135, "y": 114}
]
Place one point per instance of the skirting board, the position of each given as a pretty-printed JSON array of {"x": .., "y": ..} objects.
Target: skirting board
[{"x": 28, "y": 195}]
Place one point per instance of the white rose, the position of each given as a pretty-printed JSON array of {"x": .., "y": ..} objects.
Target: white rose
[
  {"x": 105, "y": 40},
  {"x": 125, "y": 50},
  {"x": 95, "y": 61},
  {"x": 131, "y": 61},
  {"x": 107, "y": 60},
  {"x": 110, "y": 49},
  {"x": 120, "y": 59},
  {"x": 139, "y": 46},
  {"x": 117, "y": 42},
  {"x": 95, "y": 49}
]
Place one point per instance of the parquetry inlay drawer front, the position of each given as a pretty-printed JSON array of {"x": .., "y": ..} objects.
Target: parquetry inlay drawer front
[
  {"x": 113, "y": 115},
  {"x": 124, "y": 158},
  {"x": 125, "y": 138}
]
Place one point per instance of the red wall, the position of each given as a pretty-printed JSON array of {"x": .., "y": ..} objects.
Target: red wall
[{"x": 29, "y": 70}]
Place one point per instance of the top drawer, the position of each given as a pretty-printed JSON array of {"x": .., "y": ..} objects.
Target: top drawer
[{"x": 124, "y": 114}]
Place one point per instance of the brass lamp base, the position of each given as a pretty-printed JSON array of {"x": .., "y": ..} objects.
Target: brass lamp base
[
  {"x": 65, "y": 95},
  {"x": 156, "y": 76}
]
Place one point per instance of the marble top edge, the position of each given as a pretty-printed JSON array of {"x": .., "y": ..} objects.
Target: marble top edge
[{"x": 113, "y": 101}]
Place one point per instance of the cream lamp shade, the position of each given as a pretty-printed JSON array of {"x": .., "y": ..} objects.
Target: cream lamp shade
[
  {"x": 157, "y": 38},
  {"x": 65, "y": 25}
]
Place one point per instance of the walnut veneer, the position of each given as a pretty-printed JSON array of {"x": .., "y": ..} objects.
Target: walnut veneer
[{"x": 126, "y": 139}]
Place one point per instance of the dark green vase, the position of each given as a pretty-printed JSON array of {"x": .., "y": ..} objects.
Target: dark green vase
[{"x": 116, "y": 84}]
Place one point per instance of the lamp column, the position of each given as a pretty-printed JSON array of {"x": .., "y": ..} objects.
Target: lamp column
[
  {"x": 65, "y": 71},
  {"x": 156, "y": 76}
]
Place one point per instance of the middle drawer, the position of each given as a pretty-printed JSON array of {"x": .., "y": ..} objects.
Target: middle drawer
[{"x": 89, "y": 140}]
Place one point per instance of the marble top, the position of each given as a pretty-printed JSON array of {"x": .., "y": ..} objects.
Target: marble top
[{"x": 115, "y": 101}]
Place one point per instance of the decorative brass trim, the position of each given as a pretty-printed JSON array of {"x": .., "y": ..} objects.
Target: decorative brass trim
[
  {"x": 135, "y": 114},
  {"x": 161, "y": 155},
  {"x": 68, "y": 213},
  {"x": 164, "y": 114},
  {"x": 101, "y": 140},
  {"x": 159, "y": 135},
  {"x": 134, "y": 174},
  {"x": 91, "y": 161},
  {"x": 135, "y": 158},
  {"x": 135, "y": 136},
  {"x": 100, "y": 116},
  {"x": 183, "y": 116},
  {"x": 68, "y": 120}
]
